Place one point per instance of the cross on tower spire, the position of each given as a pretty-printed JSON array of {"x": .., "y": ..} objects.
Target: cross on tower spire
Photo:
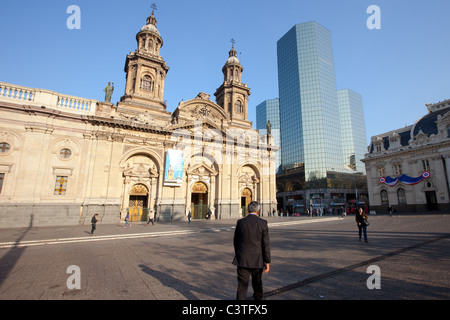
[
  {"x": 154, "y": 7},
  {"x": 233, "y": 42}
]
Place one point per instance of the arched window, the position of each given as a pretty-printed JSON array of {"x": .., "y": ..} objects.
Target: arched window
[
  {"x": 239, "y": 107},
  {"x": 147, "y": 83},
  {"x": 401, "y": 196},
  {"x": 384, "y": 198}
]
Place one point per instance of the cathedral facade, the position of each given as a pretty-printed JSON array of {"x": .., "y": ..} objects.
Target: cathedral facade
[{"x": 65, "y": 158}]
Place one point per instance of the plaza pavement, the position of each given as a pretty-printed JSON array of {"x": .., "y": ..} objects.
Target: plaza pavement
[{"x": 412, "y": 252}]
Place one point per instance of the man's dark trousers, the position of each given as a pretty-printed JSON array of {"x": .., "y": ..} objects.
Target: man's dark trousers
[{"x": 243, "y": 279}]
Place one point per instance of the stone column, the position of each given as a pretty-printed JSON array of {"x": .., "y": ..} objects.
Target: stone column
[
  {"x": 153, "y": 195},
  {"x": 188, "y": 194},
  {"x": 446, "y": 156},
  {"x": 126, "y": 197},
  {"x": 212, "y": 194}
]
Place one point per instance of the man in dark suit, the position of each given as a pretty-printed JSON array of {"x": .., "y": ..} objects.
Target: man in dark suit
[{"x": 252, "y": 252}]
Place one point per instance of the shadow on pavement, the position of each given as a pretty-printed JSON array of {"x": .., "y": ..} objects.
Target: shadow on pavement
[{"x": 9, "y": 260}]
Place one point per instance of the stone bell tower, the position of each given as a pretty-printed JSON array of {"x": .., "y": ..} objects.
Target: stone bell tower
[
  {"x": 233, "y": 95},
  {"x": 146, "y": 70}
]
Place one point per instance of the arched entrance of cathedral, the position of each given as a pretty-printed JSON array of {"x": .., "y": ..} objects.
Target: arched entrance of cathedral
[
  {"x": 199, "y": 200},
  {"x": 246, "y": 198},
  {"x": 138, "y": 203}
]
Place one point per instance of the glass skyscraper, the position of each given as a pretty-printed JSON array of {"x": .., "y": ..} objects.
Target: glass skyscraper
[
  {"x": 322, "y": 129},
  {"x": 269, "y": 110},
  {"x": 353, "y": 129},
  {"x": 309, "y": 112},
  {"x": 316, "y": 131}
]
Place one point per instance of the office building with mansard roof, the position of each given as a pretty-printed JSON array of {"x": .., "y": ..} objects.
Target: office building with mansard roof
[
  {"x": 65, "y": 158},
  {"x": 409, "y": 168}
]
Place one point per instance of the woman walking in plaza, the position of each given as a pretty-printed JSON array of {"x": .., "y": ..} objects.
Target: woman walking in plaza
[
  {"x": 361, "y": 221},
  {"x": 127, "y": 218}
]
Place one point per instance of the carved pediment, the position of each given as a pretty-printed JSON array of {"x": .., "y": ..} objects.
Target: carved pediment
[
  {"x": 203, "y": 96},
  {"x": 142, "y": 118},
  {"x": 140, "y": 170},
  {"x": 200, "y": 108},
  {"x": 202, "y": 111},
  {"x": 201, "y": 170},
  {"x": 205, "y": 128},
  {"x": 420, "y": 139},
  {"x": 443, "y": 125},
  {"x": 248, "y": 179}
]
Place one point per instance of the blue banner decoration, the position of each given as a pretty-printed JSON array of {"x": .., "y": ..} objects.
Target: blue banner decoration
[
  {"x": 173, "y": 175},
  {"x": 404, "y": 179}
]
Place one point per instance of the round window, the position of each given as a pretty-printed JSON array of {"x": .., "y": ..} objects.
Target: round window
[
  {"x": 4, "y": 147},
  {"x": 65, "y": 153}
]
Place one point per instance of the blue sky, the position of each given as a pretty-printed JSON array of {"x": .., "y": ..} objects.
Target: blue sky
[{"x": 396, "y": 69}]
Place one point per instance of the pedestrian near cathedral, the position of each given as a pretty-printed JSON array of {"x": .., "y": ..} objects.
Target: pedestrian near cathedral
[
  {"x": 390, "y": 210},
  {"x": 362, "y": 222},
  {"x": 150, "y": 218},
  {"x": 94, "y": 221},
  {"x": 127, "y": 218},
  {"x": 252, "y": 252}
]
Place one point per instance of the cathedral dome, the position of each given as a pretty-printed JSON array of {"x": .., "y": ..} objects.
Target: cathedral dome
[
  {"x": 151, "y": 28},
  {"x": 232, "y": 57},
  {"x": 151, "y": 25}
]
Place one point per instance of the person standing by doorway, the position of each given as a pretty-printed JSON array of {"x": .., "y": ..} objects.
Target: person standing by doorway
[{"x": 252, "y": 252}]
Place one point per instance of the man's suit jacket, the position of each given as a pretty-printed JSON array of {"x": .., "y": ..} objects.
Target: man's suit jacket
[{"x": 251, "y": 242}]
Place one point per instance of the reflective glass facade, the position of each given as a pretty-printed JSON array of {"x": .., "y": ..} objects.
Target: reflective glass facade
[
  {"x": 309, "y": 112},
  {"x": 353, "y": 129},
  {"x": 270, "y": 110}
]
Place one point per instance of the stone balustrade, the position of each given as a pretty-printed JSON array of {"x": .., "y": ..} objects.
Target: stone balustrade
[{"x": 49, "y": 99}]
